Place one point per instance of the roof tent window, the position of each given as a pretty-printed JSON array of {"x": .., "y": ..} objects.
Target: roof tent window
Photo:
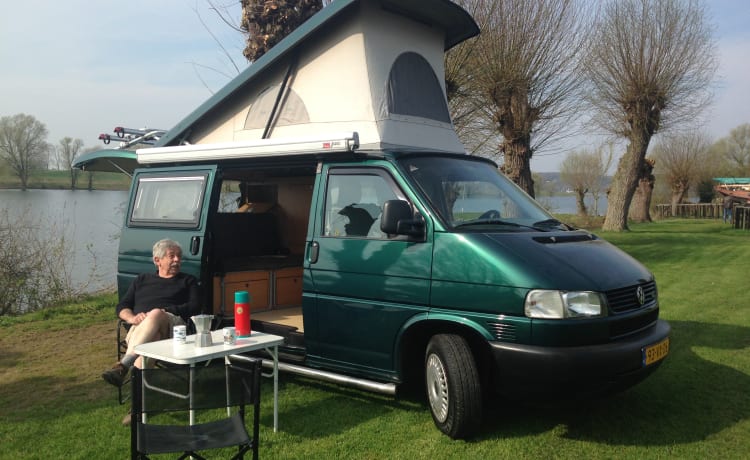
[
  {"x": 293, "y": 110},
  {"x": 413, "y": 89}
]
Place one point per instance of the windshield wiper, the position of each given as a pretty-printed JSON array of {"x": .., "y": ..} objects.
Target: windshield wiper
[
  {"x": 495, "y": 222},
  {"x": 551, "y": 223}
]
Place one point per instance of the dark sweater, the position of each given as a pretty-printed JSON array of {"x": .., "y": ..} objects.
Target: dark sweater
[{"x": 178, "y": 295}]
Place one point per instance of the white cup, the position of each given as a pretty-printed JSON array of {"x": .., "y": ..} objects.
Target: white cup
[
  {"x": 179, "y": 334},
  {"x": 230, "y": 336}
]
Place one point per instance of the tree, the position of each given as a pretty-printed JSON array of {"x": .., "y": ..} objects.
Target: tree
[
  {"x": 67, "y": 151},
  {"x": 267, "y": 22},
  {"x": 650, "y": 65},
  {"x": 520, "y": 75},
  {"x": 736, "y": 150},
  {"x": 680, "y": 158},
  {"x": 23, "y": 144},
  {"x": 640, "y": 206},
  {"x": 585, "y": 171},
  {"x": 574, "y": 172}
]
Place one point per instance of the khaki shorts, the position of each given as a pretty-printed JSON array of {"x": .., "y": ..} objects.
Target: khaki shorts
[{"x": 174, "y": 320}]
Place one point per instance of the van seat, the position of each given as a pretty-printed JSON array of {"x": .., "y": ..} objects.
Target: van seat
[{"x": 241, "y": 236}]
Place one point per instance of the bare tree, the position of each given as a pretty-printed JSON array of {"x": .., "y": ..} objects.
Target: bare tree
[
  {"x": 574, "y": 171},
  {"x": 267, "y": 22},
  {"x": 680, "y": 159},
  {"x": 67, "y": 151},
  {"x": 23, "y": 144},
  {"x": 650, "y": 65},
  {"x": 525, "y": 70},
  {"x": 640, "y": 205},
  {"x": 464, "y": 98},
  {"x": 585, "y": 172}
]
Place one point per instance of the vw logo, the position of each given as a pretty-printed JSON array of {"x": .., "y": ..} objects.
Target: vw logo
[{"x": 640, "y": 295}]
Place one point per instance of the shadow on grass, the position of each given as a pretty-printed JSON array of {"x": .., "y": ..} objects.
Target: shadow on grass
[
  {"x": 319, "y": 409},
  {"x": 687, "y": 400}
]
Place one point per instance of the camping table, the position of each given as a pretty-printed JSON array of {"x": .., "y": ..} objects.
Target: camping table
[{"x": 187, "y": 353}]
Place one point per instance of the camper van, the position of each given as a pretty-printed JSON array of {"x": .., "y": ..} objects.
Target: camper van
[{"x": 328, "y": 182}]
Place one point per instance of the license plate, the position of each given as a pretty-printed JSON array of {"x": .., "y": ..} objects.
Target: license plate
[{"x": 656, "y": 352}]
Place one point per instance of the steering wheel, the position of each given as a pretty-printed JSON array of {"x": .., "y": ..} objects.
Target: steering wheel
[{"x": 491, "y": 214}]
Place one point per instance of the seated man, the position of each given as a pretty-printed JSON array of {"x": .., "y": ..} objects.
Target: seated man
[{"x": 153, "y": 304}]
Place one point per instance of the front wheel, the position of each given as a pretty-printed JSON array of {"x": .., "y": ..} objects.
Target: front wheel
[{"x": 453, "y": 386}]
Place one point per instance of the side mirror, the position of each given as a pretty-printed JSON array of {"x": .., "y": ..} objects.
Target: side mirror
[{"x": 398, "y": 219}]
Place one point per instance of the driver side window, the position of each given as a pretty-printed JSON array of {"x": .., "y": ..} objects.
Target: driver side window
[{"x": 354, "y": 203}]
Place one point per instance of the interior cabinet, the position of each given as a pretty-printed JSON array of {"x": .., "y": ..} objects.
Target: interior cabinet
[
  {"x": 267, "y": 289},
  {"x": 288, "y": 287},
  {"x": 256, "y": 283}
]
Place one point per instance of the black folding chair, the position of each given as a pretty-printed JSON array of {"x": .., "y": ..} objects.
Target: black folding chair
[
  {"x": 122, "y": 348},
  {"x": 168, "y": 394}
]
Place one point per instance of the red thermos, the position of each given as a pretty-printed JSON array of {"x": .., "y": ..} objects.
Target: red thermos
[{"x": 242, "y": 313}]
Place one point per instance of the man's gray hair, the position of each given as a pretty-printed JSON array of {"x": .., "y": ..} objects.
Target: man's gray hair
[{"x": 162, "y": 246}]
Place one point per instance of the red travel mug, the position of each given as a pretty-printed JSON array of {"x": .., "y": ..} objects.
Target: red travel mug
[{"x": 242, "y": 313}]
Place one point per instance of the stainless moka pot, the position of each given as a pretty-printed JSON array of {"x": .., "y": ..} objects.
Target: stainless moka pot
[{"x": 202, "y": 330}]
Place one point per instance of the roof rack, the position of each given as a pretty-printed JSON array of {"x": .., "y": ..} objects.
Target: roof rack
[
  {"x": 313, "y": 145},
  {"x": 129, "y": 137}
]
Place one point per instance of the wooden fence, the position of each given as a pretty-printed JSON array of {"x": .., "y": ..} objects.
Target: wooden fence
[{"x": 740, "y": 214}]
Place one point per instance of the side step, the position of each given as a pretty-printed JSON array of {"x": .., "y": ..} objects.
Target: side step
[{"x": 327, "y": 376}]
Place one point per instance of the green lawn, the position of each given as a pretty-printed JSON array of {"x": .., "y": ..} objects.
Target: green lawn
[{"x": 696, "y": 406}]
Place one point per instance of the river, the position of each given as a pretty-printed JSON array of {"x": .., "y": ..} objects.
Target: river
[{"x": 92, "y": 220}]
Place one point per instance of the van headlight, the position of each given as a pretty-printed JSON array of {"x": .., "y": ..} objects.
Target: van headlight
[{"x": 561, "y": 304}]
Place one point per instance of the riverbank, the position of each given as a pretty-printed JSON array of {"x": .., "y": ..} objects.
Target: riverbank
[{"x": 60, "y": 180}]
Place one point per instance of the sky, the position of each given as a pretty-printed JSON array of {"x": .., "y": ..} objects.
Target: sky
[{"x": 84, "y": 67}]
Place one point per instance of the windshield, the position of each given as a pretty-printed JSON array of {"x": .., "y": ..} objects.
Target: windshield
[{"x": 470, "y": 194}]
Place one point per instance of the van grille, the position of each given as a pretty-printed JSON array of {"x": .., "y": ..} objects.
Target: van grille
[
  {"x": 626, "y": 299},
  {"x": 625, "y": 326}
]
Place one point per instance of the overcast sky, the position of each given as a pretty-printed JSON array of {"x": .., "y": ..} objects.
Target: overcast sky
[{"x": 84, "y": 67}]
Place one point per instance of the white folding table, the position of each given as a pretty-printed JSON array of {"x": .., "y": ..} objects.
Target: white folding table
[{"x": 187, "y": 353}]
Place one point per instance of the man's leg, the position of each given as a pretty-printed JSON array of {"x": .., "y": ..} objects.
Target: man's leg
[{"x": 154, "y": 327}]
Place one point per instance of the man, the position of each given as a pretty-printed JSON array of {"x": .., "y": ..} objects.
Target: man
[
  {"x": 153, "y": 305},
  {"x": 728, "y": 203}
]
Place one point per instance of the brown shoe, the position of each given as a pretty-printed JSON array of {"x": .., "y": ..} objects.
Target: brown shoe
[
  {"x": 116, "y": 375},
  {"x": 126, "y": 420}
]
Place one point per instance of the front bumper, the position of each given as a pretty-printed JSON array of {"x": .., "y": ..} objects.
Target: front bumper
[{"x": 594, "y": 368}]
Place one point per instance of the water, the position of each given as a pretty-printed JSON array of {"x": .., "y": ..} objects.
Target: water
[
  {"x": 91, "y": 220},
  {"x": 566, "y": 204}
]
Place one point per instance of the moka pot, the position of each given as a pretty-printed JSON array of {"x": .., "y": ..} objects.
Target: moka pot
[{"x": 202, "y": 330}]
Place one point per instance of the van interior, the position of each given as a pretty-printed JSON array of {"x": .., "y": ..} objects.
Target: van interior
[{"x": 258, "y": 228}]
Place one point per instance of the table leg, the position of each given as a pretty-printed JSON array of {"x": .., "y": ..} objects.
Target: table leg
[
  {"x": 275, "y": 354},
  {"x": 190, "y": 393},
  {"x": 144, "y": 363}
]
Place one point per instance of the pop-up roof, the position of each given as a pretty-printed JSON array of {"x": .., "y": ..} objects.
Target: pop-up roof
[
  {"x": 374, "y": 67},
  {"x": 371, "y": 67}
]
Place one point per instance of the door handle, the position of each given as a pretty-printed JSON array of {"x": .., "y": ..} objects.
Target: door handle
[
  {"x": 195, "y": 245},
  {"x": 314, "y": 251}
]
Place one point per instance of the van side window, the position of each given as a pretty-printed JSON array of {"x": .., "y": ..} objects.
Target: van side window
[
  {"x": 168, "y": 201},
  {"x": 354, "y": 203}
]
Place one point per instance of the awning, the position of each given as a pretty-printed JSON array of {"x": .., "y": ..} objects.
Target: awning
[{"x": 110, "y": 160}]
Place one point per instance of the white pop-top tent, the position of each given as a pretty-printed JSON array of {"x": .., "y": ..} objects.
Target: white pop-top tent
[{"x": 374, "y": 67}]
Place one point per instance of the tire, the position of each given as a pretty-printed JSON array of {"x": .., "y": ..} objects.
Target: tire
[{"x": 453, "y": 386}]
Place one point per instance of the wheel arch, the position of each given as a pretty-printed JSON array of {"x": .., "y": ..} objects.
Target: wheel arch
[{"x": 415, "y": 335}]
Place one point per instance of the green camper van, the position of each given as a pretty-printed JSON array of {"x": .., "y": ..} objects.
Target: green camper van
[{"x": 368, "y": 238}]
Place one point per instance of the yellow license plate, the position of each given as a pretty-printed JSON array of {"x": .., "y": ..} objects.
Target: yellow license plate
[{"x": 656, "y": 352}]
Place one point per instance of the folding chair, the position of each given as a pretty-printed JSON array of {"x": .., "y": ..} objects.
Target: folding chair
[
  {"x": 122, "y": 348},
  {"x": 177, "y": 390}
]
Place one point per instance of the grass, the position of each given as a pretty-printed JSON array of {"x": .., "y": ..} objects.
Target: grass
[{"x": 695, "y": 406}]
